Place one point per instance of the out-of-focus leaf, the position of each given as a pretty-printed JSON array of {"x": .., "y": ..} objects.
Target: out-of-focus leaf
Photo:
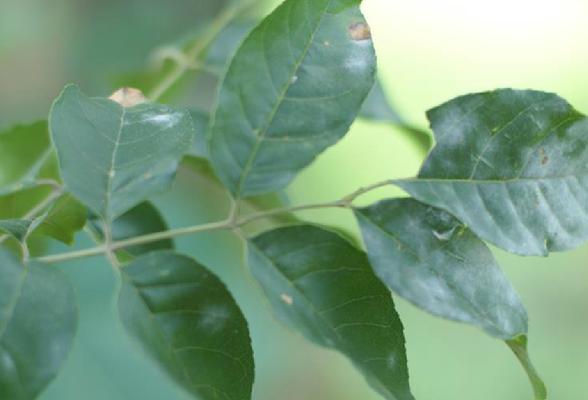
[
  {"x": 22, "y": 152},
  {"x": 63, "y": 220},
  {"x": 113, "y": 157},
  {"x": 293, "y": 89},
  {"x": 187, "y": 321},
  {"x": 140, "y": 220},
  {"x": 38, "y": 319},
  {"x": 513, "y": 166},
  {"x": 377, "y": 107},
  {"x": 321, "y": 285}
]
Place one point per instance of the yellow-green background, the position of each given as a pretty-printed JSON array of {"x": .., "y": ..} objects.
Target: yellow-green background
[{"x": 429, "y": 51}]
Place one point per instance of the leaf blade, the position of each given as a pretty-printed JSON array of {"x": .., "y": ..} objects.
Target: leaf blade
[
  {"x": 321, "y": 285},
  {"x": 265, "y": 130},
  {"x": 514, "y": 169},
  {"x": 429, "y": 258},
  {"x": 37, "y": 326},
  {"x": 186, "y": 319},
  {"x": 113, "y": 157}
]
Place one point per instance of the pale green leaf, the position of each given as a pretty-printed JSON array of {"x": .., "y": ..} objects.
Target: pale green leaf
[
  {"x": 187, "y": 321},
  {"x": 23, "y": 150},
  {"x": 112, "y": 157},
  {"x": 513, "y": 166},
  {"x": 321, "y": 285},
  {"x": 38, "y": 319},
  {"x": 293, "y": 89},
  {"x": 431, "y": 259}
]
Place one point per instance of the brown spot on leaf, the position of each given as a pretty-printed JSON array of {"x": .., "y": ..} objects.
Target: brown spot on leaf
[
  {"x": 360, "y": 31},
  {"x": 128, "y": 97}
]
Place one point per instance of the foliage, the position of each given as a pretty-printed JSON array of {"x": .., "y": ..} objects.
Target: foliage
[{"x": 508, "y": 167}]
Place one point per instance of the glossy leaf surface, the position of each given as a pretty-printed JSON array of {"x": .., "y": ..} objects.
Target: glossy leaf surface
[
  {"x": 113, "y": 157},
  {"x": 428, "y": 257},
  {"x": 321, "y": 285},
  {"x": 38, "y": 320},
  {"x": 513, "y": 166},
  {"x": 186, "y": 319},
  {"x": 293, "y": 89}
]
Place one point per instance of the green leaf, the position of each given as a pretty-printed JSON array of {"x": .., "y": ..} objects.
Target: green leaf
[
  {"x": 114, "y": 157},
  {"x": 17, "y": 228},
  {"x": 23, "y": 150},
  {"x": 38, "y": 320},
  {"x": 201, "y": 120},
  {"x": 377, "y": 107},
  {"x": 293, "y": 89},
  {"x": 63, "y": 220},
  {"x": 321, "y": 285},
  {"x": 519, "y": 348},
  {"x": 219, "y": 53},
  {"x": 513, "y": 166},
  {"x": 140, "y": 220},
  {"x": 431, "y": 259},
  {"x": 186, "y": 319},
  {"x": 17, "y": 204}
]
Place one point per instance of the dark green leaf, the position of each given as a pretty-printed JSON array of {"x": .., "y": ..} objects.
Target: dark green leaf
[
  {"x": 320, "y": 284},
  {"x": 431, "y": 259},
  {"x": 293, "y": 89},
  {"x": 513, "y": 166},
  {"x": 113, "y": 157},
  {"x": 186, "y": 319},
  {"x": 377, "y": 107},
  {"x": 38, "y": 319},
  {"x": 140, "y": 220}
]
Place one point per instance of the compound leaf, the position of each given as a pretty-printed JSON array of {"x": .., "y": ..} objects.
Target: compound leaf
[
  {"x": 321, "y": 285},
  {"x": 513, "y": 166},
  {"x": 186, "y": 319},
  {"x": 293, "y": 89}
]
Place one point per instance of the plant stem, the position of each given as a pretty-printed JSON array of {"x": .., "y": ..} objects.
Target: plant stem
[
  {"x": 192, "y": 54},
  {"x": 231, "y": 223}
]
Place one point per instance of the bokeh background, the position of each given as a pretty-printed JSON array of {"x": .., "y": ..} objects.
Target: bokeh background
[{"x": 429, "y": 51}]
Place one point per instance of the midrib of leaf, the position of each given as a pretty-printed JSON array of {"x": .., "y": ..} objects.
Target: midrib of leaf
[
  {"x": 160, "y": 333},
  {"x": 281, "y": 96},
  {"x": 111, "y": 170}
]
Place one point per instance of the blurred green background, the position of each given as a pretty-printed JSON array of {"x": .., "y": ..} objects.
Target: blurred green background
[{"x": 429, "y": 51}]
